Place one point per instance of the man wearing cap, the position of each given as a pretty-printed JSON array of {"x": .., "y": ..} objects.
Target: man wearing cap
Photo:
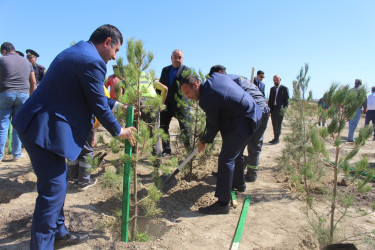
[
  {"x": 279, "y": 99},
  {"x": 233, "y": 112},
  {"x": 38, "y": 69},
  {"x": 254, "y": 145},
  {"x": 54, "y": 123},
  {"x": 20, "y": 53},
  {"x": 354, "y": 121},
  {"x": 258, "y": 81},
  {"x": 17, "y": 82},
  {"x": 169, "y": 77}
]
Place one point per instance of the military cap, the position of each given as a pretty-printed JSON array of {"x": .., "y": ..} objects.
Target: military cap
[
  {"x": 20, "y": 53},
  {"x": 31, "y": 53}
]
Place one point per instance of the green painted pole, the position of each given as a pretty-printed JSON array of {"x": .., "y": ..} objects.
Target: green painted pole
[
  {"x": 10, "y": 139},
  {"x": 127, "y": 180},
  {"x": 241, "y": 224}
]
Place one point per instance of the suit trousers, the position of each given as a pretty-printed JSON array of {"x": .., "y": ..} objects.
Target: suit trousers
[
  {"x": 80, "y": 168},
  {"x": 182, "y": 117},
  {"x": 231, "y": 155},
  {"x": 277, "y": 120},
  {"x": 48, "y": 219},
  {"x": 254, "y": 146},
  {"x": 370, "y": 116}
]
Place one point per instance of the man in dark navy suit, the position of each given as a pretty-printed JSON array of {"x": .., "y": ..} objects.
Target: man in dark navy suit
[
  {"x": 254, "y": 146},
  {"x": 279, "y": 98},
  {"x": 169, "y": 77},
  {"x": 258, "y": 81},
  {"x": 54, "y": 122},
  {"x": 233, "y": 112}
]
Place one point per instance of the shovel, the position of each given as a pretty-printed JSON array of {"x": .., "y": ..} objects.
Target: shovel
[{"x": 168, "y": 182}]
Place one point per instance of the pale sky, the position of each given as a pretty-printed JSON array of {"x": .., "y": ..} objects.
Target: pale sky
[{"x": 278, "y": 37}]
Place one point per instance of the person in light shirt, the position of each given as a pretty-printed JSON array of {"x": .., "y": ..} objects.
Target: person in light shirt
[{"x": 370, "y": 114}]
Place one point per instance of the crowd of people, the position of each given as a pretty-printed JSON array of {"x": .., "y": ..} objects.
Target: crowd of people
[{"x": 53, "y": 112}]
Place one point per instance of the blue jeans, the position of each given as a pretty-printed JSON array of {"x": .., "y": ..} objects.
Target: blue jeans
[
  {"x": 10, "y": 103},
  {"x": 353, "y": 124}
]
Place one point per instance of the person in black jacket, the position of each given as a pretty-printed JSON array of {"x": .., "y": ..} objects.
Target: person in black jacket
[
  {"x": 279, "y": 98},
  {"x": 169, "y": 77}
]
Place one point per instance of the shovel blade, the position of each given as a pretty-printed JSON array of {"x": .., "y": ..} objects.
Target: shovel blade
[{"x": 168, "y": 182}]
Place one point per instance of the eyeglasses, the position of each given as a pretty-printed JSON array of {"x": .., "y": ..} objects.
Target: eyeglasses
[{"x": 261, "y": 76}]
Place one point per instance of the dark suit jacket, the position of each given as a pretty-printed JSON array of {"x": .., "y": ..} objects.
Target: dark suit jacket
[
  {"x": 224, "y": 103},
  {"x": 170, "y": 101},
  {"x": 252, "y": 90},
  {"x": 282, "y": 99},
  {"x": 58, "y": 115}
]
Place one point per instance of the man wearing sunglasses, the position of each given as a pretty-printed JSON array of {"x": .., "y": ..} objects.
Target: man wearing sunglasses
[{"x": 258, "y": 81}]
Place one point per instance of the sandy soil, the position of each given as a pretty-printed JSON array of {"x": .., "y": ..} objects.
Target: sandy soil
[{"x": 275, "y": 219}]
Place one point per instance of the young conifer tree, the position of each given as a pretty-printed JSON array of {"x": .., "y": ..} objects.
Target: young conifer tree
[
  {"x": 306, "y": 152},
  {"x": 136, "y": 89},
  {"x": 343, "y": 103},
  {"x": 298, "y": 158}
]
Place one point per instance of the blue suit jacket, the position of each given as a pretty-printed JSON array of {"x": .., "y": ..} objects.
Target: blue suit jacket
[
  {"x": 58, "y": 115},
  {"x": 252, "y": 90},
  {"x": 260, "y": 85},
  {"x": 224, "y": 103}
]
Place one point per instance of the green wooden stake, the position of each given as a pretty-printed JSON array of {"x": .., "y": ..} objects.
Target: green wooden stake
[
  {"x": 127, "y": 180},
  {"x": 241, "y": 224},
  {"x": 10, "y": 139}
]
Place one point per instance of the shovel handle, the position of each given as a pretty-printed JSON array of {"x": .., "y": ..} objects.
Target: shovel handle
[{"x": 192, "y": 154}]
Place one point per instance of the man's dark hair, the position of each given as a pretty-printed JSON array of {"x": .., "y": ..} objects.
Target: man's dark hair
[
  {"x": 190, "y": 80},
  {"x": 104, "y": 31},
  {"x": 218, "y": 68},
  {"x": 373, "y": 89},
  {"x": 259, "y": 72},
  {"x": 8, "y": 47}
]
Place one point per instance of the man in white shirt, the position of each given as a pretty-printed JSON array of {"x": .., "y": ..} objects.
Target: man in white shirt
[{"x": 370, "y": 114}]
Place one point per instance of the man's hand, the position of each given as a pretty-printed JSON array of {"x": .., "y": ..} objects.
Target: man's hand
[
  {"x": 127, "y": 133},
  {"x": 201, "y": 146}
]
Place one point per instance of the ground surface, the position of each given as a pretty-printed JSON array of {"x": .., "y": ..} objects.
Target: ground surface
[{"x": 275, "y": 219}]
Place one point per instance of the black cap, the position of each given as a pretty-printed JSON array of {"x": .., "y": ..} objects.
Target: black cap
[
  {"x": 218, "y": 68},
  {"x": 20, "y": 53},
  {"x": 32, "y": 53},
  {"x": 358, "y": 82}
]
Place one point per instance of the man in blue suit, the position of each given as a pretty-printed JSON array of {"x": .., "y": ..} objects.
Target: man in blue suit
[
  {"x": 233, "y": 112},
  {"x": 258, "y": 81},
  {"x": 254, "y": 146},
  {"x": 54, "y": 122}
]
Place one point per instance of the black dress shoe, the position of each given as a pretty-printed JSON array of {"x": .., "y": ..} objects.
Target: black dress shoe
[
  {"x": 273, "y": 142},
  {"x": 239, "y": 189},
  {"x": 71, "y": 238},
  {"x": 215, "y": 208},
  {"x": 250, "y": 177}
]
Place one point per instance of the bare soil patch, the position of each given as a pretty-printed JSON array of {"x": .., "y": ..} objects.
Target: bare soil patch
[{"x": 275, "y": 219}]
